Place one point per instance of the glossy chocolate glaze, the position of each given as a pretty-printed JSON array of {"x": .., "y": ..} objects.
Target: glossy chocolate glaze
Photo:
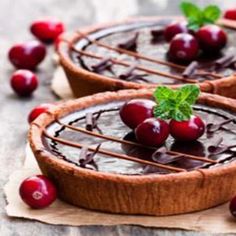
[
  {"x": 115, "y": 35},
  {"x": 110, "y": 124}
]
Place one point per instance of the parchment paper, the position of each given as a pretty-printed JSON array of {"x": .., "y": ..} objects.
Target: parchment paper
[
  {"x": 60, "y": 85},
  {"x": 215, "y": 220}
]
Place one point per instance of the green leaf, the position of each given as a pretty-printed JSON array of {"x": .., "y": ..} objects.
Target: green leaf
[
  {"x": 193, "y": 25},
  {"x": 161, "y": 112},
  {"x": 188, "y": 93},
  {"x": 190, "y": 10},
  {"x": 163, "y": 93},
  {"x": 211, "y": 13},
  {"x": 184, "y": 111},
  {"x": 175, "y": 104},
  {"x": 197, "y": 17}
]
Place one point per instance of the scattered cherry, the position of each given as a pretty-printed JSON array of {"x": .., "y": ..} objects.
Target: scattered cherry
[
  {"x": 211, "y": 38},
  {"x": 232, "y": 206},
  {"x": 152, "y": 132},
  {"x": 47, "y": 30},
  {"x": 38, "y": 191},
  {"x": 175, "y": 28},
  {"x": 183, "y": 47},
  {"x": 24, "y": 82},
  {"x": 135, "y": 111},
  {"x": 187, "y": 130},
  {"x": 38, "y": 110},
  {"x": 27, "y": 55},
  {"x": 230, "y": 14}
]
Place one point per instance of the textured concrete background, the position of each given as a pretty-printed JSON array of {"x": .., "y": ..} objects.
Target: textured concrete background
[{"x": 15, "y": 17}]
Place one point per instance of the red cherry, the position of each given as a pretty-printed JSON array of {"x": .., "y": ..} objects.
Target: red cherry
[
  {"x": 24, "y": 82},
  {"x": 135, "y": 111},
  {"x": 183, "y": 47},
  {"x": 230, "y": 14},
  {"x": 187, "y": 130},
  {"x": 38, "y": 191},
  {"x": 232, "y": 206},
  {"x": 38, "y": 110},
  {"x": 175, "y": 28},
  {"x": 47, "y": 30},
  {"x": 211, "y": 38},
  {"x": 27, "y": 55},
  {"x": 152, "y": 132}
]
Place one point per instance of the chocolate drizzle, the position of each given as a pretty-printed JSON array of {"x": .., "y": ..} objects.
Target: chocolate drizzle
[
  {"x": 141, "y": 68},
  {"x": 161, "y": 158},
  {"x": 129, "y": 48}
]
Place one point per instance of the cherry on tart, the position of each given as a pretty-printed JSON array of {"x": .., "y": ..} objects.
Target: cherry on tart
[
  {"x": 175, "y": 28},
  {"x": 211, "y": 38},
  {"x": 24, "y": 82},
  {"x": 152, "y": 132},
  {"x": 38, "y": 110},
  {"x": 27, "y": 55},
  {"x": 135, "y": 111},
  {"x": 183, "y": 48},
  {"x": 232, "y": 206},
  {"x": 187, "y": 130},
  {"x": 230, "y": 14},
  {"x": 47, "y": 30},
  {"x": 38, "y": 191}
]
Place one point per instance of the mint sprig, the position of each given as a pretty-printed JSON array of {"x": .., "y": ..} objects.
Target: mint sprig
[
  {"x": 175, "y": 104},
  {"x": 198, "y": 17}
]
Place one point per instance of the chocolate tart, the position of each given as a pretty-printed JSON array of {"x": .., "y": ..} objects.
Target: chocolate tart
[
  {"x": 96, "y": 163},
  {"x": 132, "y": 54}
]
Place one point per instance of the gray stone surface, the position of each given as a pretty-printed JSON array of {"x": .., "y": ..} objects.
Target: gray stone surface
[{"x": 15, "y": 17}]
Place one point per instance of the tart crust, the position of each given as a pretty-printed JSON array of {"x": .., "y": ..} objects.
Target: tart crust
[
  {"x": 84, "y": 82},
  {"x": 149, "y": 194}
]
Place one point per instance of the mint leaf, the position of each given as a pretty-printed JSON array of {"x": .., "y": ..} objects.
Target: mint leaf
[
  {"x": 163, "y": 93},
  {"x": 175, "y": 104},
  {"x": 162, "y": 110},
  {"x": 211, "y": 13},
  {"x": 198, "y": 17},
  {"x": 191, "y": 10},
  {"x": 188, "y": 93},
  {"x": 194, "y": 25},
  {"x": 184, "y": 111}
]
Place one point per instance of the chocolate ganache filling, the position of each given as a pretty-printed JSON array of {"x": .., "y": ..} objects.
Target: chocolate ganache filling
[
  {"x": 137, "y": 52},
  {"x": 100, "y": 128}
]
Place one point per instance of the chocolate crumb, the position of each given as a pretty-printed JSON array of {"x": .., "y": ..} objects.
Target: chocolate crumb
[
  {"x": 211, "y": 128},
  {"x": 157, "y": 33},
  {"x": 87, "y": 158},
  {"x": 130, "y": 44},
  {"x": 161, "y": 156},
  {"x": 105, "y": 64},
  {"x": 190, "y": 69},
  {"x": 225, "y": 61},
  {"x": 129, "y": 75}
]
